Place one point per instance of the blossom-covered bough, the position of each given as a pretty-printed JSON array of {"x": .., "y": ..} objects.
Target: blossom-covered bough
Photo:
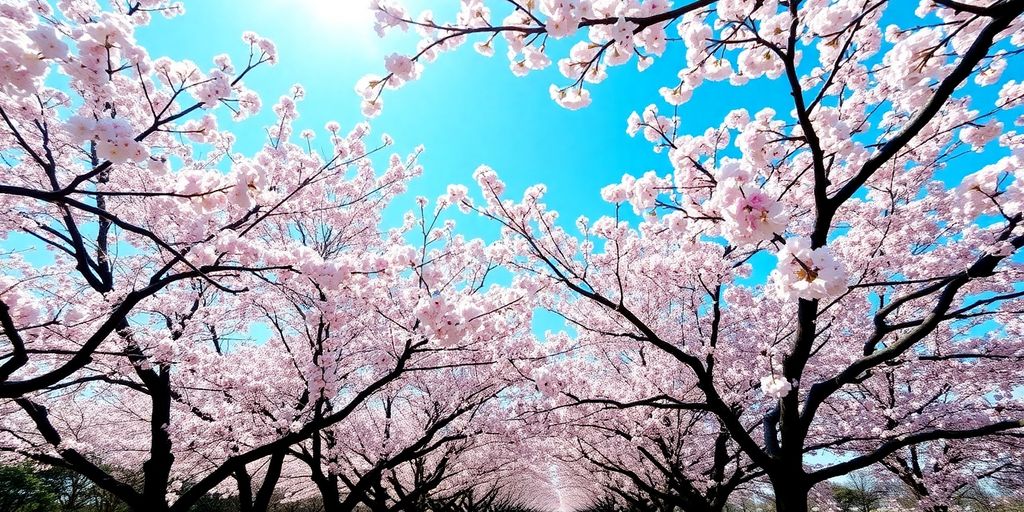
[
  {"x": 75, "y": 164},
  {"x": 887, "y": 183},
  {"x": 942, "y": 473},
  {"x": 399, "y": 453},
  {"x": 640, "y": 427}
]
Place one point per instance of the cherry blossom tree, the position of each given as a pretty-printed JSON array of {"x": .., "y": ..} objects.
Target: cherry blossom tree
[
  {"x": 191, "y": 313},
  {"x": 942, "y": 475},
  {"x": 896, "y": 253},
  {"x": 623, "y": 412},
  {"x": 389, "y": 457},
  {"x": 419, "y": 432},
  {"x": 75, "y": 159}
]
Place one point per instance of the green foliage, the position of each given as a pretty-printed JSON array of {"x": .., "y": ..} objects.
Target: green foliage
[
  {"x": 215, "y": 504},
  {"x": 22, "y": 490},
  {"x": 853, "y": 499},
  {"x": 76, "y": 493}
]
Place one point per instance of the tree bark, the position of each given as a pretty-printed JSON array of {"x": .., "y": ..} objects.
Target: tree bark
[
  {"x": 790, "y": 493},
  {"x": 261, "y": 502},
  {"x": 328, "y": 488}
]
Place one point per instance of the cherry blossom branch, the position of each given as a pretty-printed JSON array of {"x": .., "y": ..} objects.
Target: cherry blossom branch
[
  {"x": 116, "y": 319},
  {"x": 975, "y": 54},
  {"x": 894, "y": 445}
]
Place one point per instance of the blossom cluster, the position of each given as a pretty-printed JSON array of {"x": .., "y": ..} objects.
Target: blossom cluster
[
  {"x": 114, "y": 138},
  {"x": 807, "y": 273}
]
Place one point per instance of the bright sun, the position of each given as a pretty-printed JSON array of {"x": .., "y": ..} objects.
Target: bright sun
[{"x": 348, "y": 15}]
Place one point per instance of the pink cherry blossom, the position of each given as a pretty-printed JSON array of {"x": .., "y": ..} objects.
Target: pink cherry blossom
[{"x": 806, "y": 273}]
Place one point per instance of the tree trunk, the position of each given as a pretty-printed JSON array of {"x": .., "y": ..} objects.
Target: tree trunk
[
  {"x": 691, "y": 505},
  {"x": 328, "y": 488},
  {"x": 152, "y": 506},
  {"x": 261, "y": 502},
  {"x": 790, "y": 494},
  {"x": 156, "y": 470},
  {"x": 244, "y": 489}
]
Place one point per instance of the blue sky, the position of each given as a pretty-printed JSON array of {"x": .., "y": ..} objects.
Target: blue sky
[
  {"x": 469, "y": 110},
  {"x": 466, "y": 109}
]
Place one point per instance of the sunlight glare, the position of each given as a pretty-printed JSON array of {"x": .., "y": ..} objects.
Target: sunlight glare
[{"x": 351, "y": 20}]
